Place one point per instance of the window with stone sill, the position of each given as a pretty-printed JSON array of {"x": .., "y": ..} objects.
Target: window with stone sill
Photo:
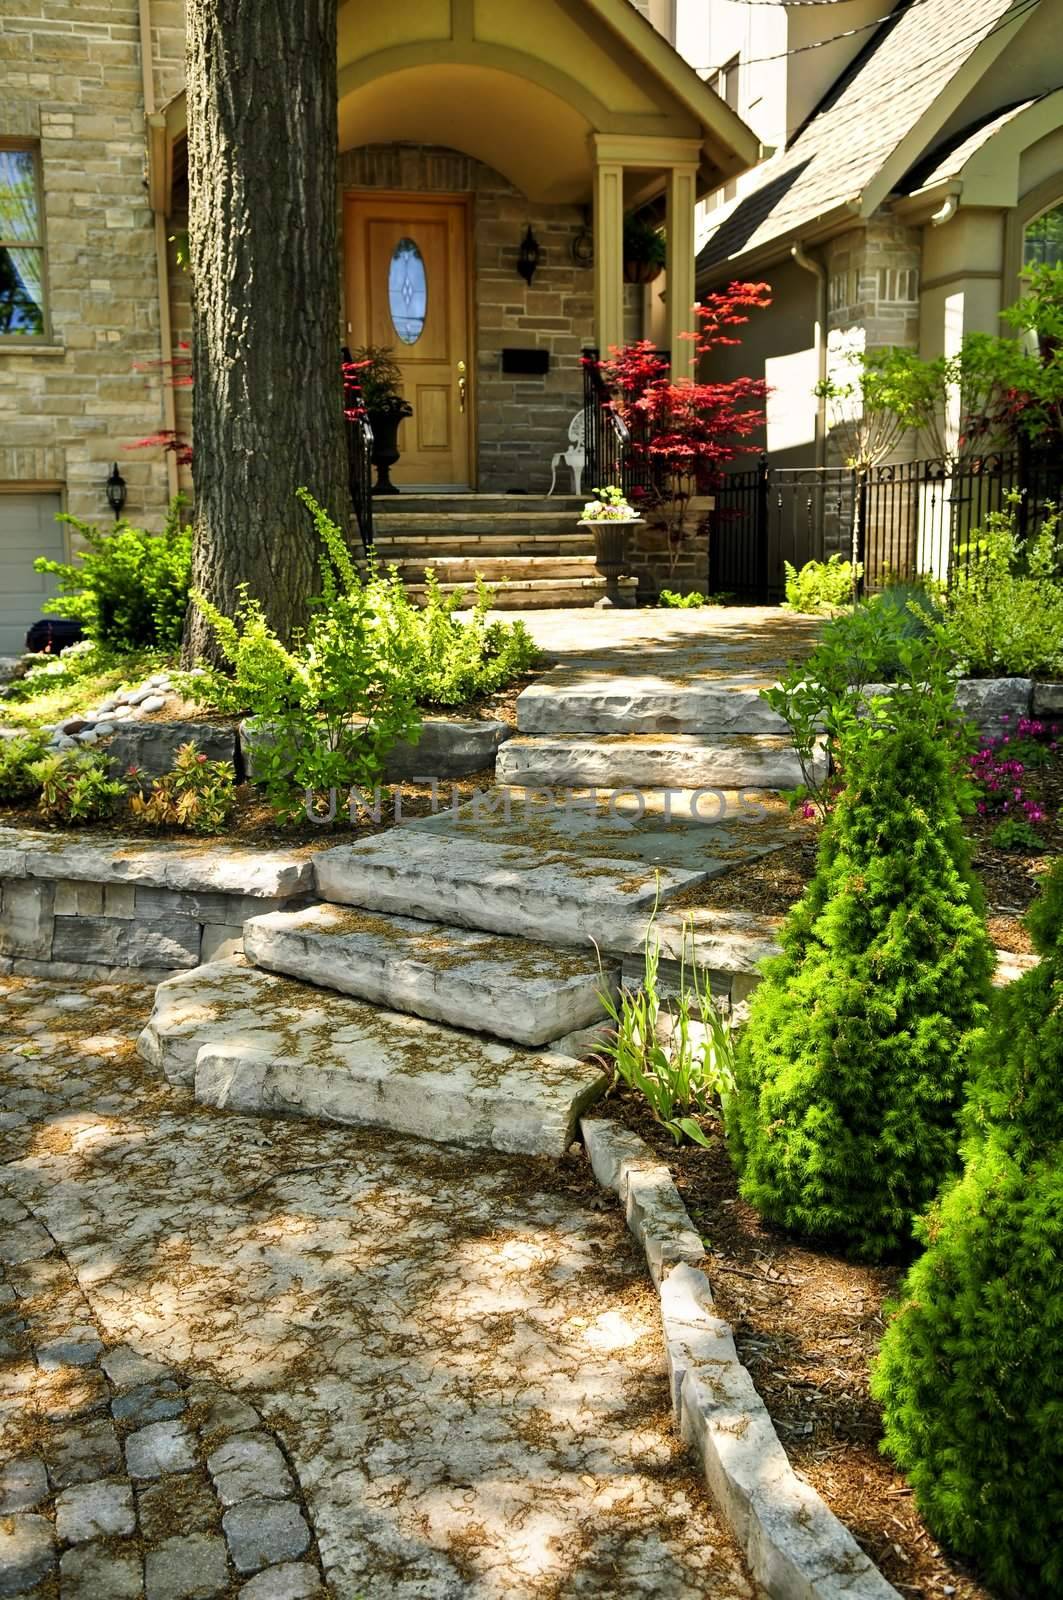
[{"x": 23, "y": 305}]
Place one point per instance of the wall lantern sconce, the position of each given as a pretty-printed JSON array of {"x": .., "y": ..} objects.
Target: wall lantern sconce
[
  {"x": 583, "y": 243},
  {"x": 529, "y": 256},
  {"x": 116, "y": 491}
]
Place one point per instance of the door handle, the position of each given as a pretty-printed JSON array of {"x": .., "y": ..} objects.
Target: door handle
[{"x": 461, "y": 387}]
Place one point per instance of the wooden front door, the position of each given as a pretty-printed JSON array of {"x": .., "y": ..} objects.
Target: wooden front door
[{"x": 407, "y": 289}]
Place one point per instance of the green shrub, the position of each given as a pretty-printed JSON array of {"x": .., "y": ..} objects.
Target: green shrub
[
  {"x": 196, "y": 794},
  {"x": 970, "y": 1373},
  {"x": 1015, "y": 833},
  {"x": 681, "y": 1061},
  {"x": 889, "y": 639},
  {"x": 334, "y": 702},
  {"x": 75, "y": 786},
  {"x": 454, "y": 661},
  {"x": 821, "y": 585},
  {"x": 853, "y": 1065},
  {"x": 128, "y": 588},
  {"x": 17, "y": 757},
  {"x": 1005, "y": 617},
  {"x": 681, "y": 602}
]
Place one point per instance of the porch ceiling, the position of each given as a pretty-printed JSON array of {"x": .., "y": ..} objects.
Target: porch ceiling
[{"x": 536, "y": 139}]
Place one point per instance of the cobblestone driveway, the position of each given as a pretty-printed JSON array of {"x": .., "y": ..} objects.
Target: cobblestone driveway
[{"x": 416, "y": 1372}]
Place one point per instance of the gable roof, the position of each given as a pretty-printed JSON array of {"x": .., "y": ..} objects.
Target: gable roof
[{"x": 844, "y": 147}]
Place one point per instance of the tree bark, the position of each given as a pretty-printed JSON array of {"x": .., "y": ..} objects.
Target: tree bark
[{"x": 263, "y": 243}]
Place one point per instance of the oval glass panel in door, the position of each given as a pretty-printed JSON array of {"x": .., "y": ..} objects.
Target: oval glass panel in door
[{"x": 407, "y": 291}]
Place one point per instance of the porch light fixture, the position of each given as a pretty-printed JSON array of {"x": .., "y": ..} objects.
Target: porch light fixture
[
  {"x": 529, "y": 256},
  {"x": 116, "y": 491}
]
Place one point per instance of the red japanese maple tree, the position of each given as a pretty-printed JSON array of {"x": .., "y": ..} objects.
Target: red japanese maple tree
[{"x": 685, "y": 432}]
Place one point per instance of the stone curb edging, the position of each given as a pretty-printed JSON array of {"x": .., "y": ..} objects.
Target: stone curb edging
[{"x": 796, "y": 1547}]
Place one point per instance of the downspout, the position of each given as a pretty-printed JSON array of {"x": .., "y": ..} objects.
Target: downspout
[
  {"x": 819, "y": 272},
  {"x": 162, "y": 264}
]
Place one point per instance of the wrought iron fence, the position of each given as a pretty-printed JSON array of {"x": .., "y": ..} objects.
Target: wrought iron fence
[
  {"x": 359, "y": 436},
  {"x": 615, "y": 451},
  {"x": 910, "y": 518}
]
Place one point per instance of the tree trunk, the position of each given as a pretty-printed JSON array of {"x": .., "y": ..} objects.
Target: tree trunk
[{"x": 263, "y": 242}]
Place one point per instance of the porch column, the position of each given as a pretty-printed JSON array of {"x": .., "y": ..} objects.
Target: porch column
[
  {"x": 681, "y": 198},
  {"x": 608, "y": 254}
]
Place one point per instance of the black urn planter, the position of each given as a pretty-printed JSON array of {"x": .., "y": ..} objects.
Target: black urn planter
[{"x": 385, "y": 426}]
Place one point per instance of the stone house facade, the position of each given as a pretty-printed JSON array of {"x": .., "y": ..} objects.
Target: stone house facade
[
  {"x": 472, "y": 121},
  {"x": 912, "y": 166}
]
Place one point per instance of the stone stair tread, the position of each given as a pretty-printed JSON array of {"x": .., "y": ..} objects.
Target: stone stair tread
[
  {"x": 722, "y": 760},
  {"x": 650, "y": 702},
  {"x": 564, "y": 896},
  {"x": 249, "y": 1041},
  {"x": 511, "y": 988}
]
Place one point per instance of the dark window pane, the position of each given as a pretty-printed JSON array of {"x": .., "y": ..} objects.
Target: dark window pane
[
  {"x": 21, "y": 292},
  {"x": 1043, "y": 240},
  {"x": 19, "y": 219}
]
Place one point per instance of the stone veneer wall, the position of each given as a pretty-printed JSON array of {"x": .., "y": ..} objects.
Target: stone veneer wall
[
  {"x": 70, "y": 79},
  {"x": 114, "y": 907},
  {"x": 521, "y": 422}
]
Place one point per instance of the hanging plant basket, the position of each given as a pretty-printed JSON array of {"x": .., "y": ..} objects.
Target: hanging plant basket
[{"x": 641, "y": 271}]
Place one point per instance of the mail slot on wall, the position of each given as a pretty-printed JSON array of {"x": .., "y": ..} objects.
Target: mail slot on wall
[{"x": 526, "y": 363}]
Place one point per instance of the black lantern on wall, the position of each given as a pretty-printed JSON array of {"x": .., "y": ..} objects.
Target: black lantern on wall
[
  {"x": 529, "y": 256},
  {"x": 116, "y": 491}
]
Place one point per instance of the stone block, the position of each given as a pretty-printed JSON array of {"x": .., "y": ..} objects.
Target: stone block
[
  {"x": 987, "y": 701},
  {"x": 501, "y": 887},
  {"x": 27, "y": 1552},
  {"x": 152, "y": 746},
  {"x": 191, "y": 1566},
  {"x": 261, "y": 1533},
  {"x": 23, "y": 1484},
  {"x": 290, "y": 1581},
  {"x": 83, "y": 1453},
  {"x": 256, "y": 1043},
  {"x": 658, "y": 1219},
  {"x": 567, "y": 701},
  {"x": 89, "y": 1571},
  {"x": 74, "y": 899},
  {"x": 204, "y": 906},
  {"x": 119, "y": 941},
  {"x": 249, "y": 1466},
  {"x": 128, "y": 1370},
  {"x": 95, "y": 1511},
  {"x": 1047, "y": 700},
  {"x": 159, "y": 1448},
  {"x": 186, "y": 1502},
  {"x": 26, "y": 919},
  {"x": 221, "y": 942},
  {"x": 677, "y": 761},
  {"x": 163, "y": 864},
  {"x": 507, "y": 987}
]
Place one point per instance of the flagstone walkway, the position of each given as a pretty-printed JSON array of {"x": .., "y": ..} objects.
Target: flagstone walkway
[{"x": 454, "y": 1367}]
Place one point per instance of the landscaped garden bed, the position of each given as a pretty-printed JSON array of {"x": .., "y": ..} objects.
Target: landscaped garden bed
[{"x": 807, "y": 1325}]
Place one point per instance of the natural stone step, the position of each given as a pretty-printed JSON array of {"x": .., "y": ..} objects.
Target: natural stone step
[
  {"x": 500, "y": 505},
  {"x": 249, "y": 1041},
  {"x": 535, "y": 594},
  {"x": 563, "y": 703},
  {"x": 450, "y": 522},
  {"x": 506, "y": 987},
  {"x": 429, "y": 547},
  {"x": 563, "y": 897},
  {"x": 682, "y": 760},
  {"x": 450, "y": 569}
]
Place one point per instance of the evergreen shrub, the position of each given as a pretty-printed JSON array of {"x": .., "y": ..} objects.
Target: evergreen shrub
[
  {"x": 852, "y": 1069},
  {"x": 970, "y": 1374}
]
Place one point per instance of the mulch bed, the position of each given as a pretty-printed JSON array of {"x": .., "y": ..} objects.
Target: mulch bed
[
  {"x": 807, "y": 1324},
  {"x": 1010, "y": 878}
]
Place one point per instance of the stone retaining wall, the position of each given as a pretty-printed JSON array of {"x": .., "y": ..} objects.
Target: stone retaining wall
[{"x": 126, "y": 908}]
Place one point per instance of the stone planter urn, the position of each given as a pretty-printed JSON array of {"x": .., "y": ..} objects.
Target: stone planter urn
[
  {"x": 610, "y": 540},
  {"x": 385, "y": 426}
]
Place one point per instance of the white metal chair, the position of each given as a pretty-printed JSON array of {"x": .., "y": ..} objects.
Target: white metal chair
[{"x": 575, "y": 457}]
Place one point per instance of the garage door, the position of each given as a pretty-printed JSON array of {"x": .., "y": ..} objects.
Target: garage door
[{"x": 27, "y": 529}]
